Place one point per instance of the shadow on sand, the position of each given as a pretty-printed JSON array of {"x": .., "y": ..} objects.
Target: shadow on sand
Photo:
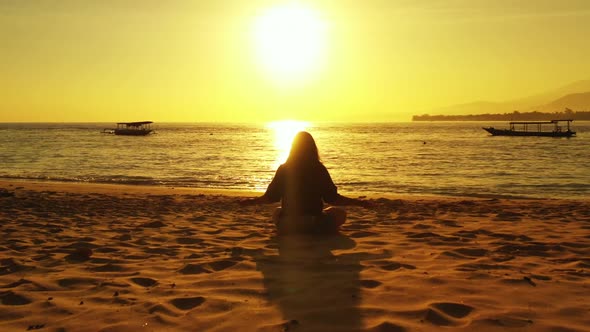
[{"x": 315, "y": 289}]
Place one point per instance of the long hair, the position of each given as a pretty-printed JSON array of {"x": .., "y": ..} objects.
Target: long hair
[{"x": 304, "y": 151}]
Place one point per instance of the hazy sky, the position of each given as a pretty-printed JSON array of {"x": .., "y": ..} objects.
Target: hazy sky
[{"x": 374, "y": 60}]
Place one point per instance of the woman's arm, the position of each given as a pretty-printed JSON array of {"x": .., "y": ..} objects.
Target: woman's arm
[
  {"x": 273, "y": 192},
  {"x": 330, "y": 193},
  {"x": 343, "y": 200}
]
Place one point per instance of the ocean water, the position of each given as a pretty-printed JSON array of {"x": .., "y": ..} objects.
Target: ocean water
[{"x": 457, "y": 159}]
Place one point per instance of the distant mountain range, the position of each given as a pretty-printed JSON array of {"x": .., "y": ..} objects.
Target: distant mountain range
[
  {"x": 513, "y": 116},
  {"x": 575, "y": 96},
  {"x": 575, "y": 101}
]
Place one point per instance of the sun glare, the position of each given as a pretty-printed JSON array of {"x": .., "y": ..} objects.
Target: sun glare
[
  {"x": 290, "y": 40},
  {"x": 284, "y": 132}
]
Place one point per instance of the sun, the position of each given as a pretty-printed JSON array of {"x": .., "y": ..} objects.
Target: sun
[{"x": 290, "y": 40}]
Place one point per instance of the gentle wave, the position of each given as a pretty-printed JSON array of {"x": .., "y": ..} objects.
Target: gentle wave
[{"x": 531, "y": 191}]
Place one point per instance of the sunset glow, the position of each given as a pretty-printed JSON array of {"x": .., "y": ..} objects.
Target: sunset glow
[
  {"x": 284, "y": 132},
  {"x": 260, "y": 60}
]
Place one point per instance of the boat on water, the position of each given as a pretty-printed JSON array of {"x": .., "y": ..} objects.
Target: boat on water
[
  {"x": 140, "y": 128},
  {"x": 552, "y": 128}
]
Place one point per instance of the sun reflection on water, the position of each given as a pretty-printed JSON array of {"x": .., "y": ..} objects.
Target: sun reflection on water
[{"x": 284, "y": 131}]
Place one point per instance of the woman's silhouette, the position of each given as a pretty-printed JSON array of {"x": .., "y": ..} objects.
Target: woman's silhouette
[{"x": 303, "y": 184}]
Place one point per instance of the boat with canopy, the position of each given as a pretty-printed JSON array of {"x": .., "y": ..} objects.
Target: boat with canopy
[
  {"x": 552, "y": 128},
  {"x": 140, "y": 128}
]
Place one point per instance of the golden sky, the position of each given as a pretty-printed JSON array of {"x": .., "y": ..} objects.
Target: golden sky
[{"x": 262, "y": 60}]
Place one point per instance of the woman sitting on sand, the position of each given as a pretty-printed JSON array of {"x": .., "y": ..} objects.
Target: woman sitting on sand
[{"x": 302, "y": 184}]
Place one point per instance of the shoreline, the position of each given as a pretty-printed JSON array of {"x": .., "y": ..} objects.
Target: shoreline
[{"x": 115, "y": 188}]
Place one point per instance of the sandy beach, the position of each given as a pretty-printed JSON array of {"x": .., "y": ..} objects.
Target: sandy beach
[{"x": 83, "y": 257}]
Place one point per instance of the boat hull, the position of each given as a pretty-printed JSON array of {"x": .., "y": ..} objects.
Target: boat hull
[
  {"x": 132, "y": 132},
  {"x": 508, "y": 132}
]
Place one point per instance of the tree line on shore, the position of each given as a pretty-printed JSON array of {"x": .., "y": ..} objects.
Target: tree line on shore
[{"x": 514, "y": 116}]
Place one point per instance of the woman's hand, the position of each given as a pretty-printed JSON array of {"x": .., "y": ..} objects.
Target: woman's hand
[
  {"x": 248, "y": 201},
  {"x": 254, "y": 201},
  {"x": 343, "y": 200}
]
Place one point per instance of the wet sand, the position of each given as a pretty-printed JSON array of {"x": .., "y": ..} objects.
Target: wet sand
[{"x": 80, "y": 257}]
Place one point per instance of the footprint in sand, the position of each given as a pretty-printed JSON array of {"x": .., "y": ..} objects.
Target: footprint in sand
[
  {"x": 213, "y": 232},
  {"x": 193, "y": 269},
  {"x": 447, "y": 313},
  {"x": 466, "y": 234},
  {"x": 162, "y": 309},
  {"x": 188, "y": 240},
  {"x": 70, "y": 282},
  {"x": 9, "y": 265},
  {"x": 466, "y": 252},
  {"x": 421, "y": 226},
  {"x": 106, "y": 250},
  {"x": 368, "y": 283},
  {"x": 448, "y": 223},
  {"x": 109, "y": 267},
  {"x": 361, "y": 234},
  {"x": 144, "y": 282},
  {"x": 392, "y": 265},
  {"x": 194, "y": 255},
  {"x": 508, "y": 216},
  {"x": 424, "y": 235},
  {"x": 153, "y": 224},
  {"x": 168, "y": 251},
  {"x": 187, "y": 303},
  {"x": 197, "y": 218},
  {"x": 470, "y": 267},
  {"x": 17, "y": 283},
  {"x": 510, "y": 237},
  {"x": 11, "y": 298},
  {"x": 208, "y": 267},
  {"x": 79, "y": 255},
  {"x": 473, "y": 252},
  {"x": 123, "y": 237},
  {"x": 455, "y": 310},
  {"x": 387, "y": 327},
  {"x": 136, "y": 257},
  {"x": 222, "y": 264}
]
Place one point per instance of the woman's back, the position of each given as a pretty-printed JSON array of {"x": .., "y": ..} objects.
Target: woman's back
[{"x": 302, "y": 188}]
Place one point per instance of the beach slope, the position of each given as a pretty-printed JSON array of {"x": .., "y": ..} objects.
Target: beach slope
[{"x": 79, "y": 257}]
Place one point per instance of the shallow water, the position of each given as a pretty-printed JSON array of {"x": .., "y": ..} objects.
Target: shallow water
[{"x": 398, "y": 158}]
